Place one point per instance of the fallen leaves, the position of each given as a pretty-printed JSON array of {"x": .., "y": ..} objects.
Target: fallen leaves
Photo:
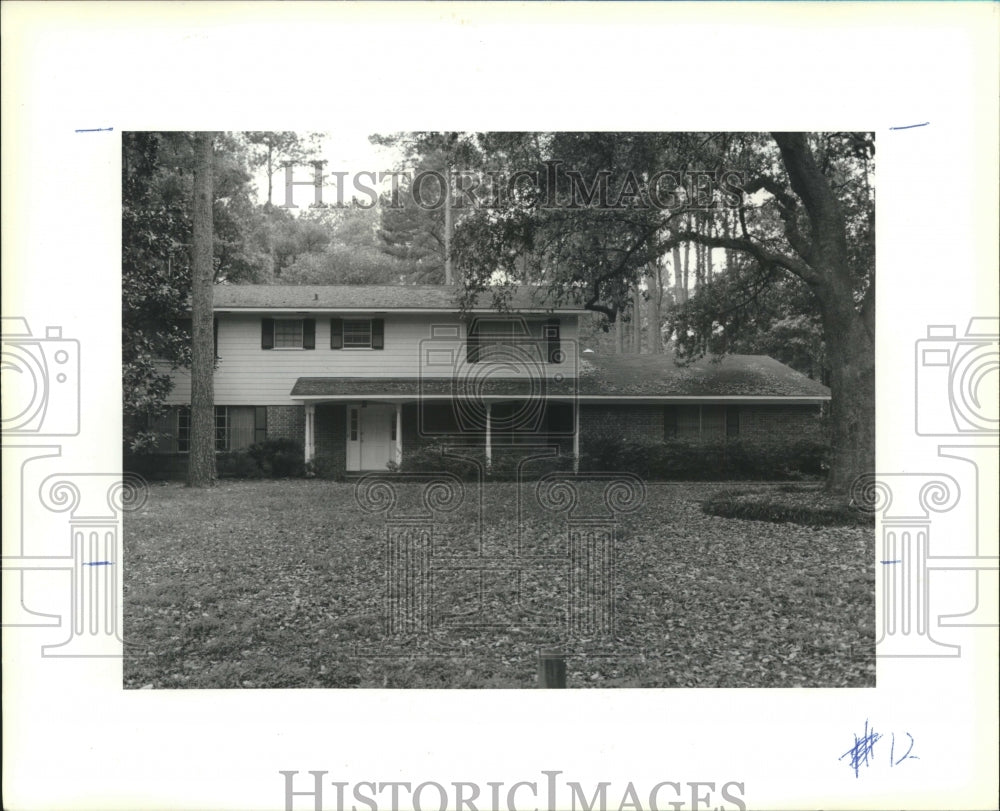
[{"x": 282, "y": 584}]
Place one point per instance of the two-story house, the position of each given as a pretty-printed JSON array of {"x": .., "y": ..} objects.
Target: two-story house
[{"x": 364, "y": 374}]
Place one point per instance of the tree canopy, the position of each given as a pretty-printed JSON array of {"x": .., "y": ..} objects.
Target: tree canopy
[{"x": 695, "y": 242}]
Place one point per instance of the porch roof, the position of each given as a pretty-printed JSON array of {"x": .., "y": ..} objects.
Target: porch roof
[{"x": 735, "y": 377}]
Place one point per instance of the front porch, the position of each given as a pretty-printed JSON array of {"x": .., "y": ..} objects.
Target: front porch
[{"x": 377, "y": 434}]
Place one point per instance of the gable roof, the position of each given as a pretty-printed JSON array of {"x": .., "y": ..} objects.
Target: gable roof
[
  {"x": 372, "y": 298},
  {"x": 652, "y": 377}
]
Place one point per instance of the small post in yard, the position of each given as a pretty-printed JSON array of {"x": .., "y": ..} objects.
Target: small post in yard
[{"x": 551, "y": 669}]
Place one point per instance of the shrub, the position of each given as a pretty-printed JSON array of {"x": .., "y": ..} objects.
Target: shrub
[
  {"x": 237, "y": 465},
  {"x": 278, "y": 458},
  {"x": 713, "y": 461},
  {"x": 505, "y": 465},
  {"x": 326, "y": 466},
  {"x": 808, "y": 506}
]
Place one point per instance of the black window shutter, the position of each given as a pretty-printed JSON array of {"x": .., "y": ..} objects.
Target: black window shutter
[
  {"x": 336, "y": 333},
  {"x": 732, "y": 421},
  {"x": 553, "y": 344},
  {"x": 267, "y": 333},
  {"x": 378, "y": 333},
  {"x": 309, "y": 333},
  {"x": 472, "y": 343},
  {"x": 669, "y": 422},
  {"x": 215, "y": 336}
]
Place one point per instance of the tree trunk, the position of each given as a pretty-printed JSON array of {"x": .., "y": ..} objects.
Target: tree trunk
[
  {"x": 447, "y": 224},
  {"x": 270, "y": 174},
  {"x": 851, "y": 356},
  {"x": 687, "y": 266},
  {"x": 679, "y": 296},
  {"x": 636, "y": 319},
  {"x": 201, "y": 458},
  {"x": 849, "y": 333},
  {"x": 708, "y": 250},
  {"x": 619, "y": 328},
  {"x": 656, "y": 311}
]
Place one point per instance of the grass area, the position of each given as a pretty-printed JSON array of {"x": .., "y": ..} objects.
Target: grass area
[
  {"x": 281, "y": 584},
  {"x": 806, "y": 504}
]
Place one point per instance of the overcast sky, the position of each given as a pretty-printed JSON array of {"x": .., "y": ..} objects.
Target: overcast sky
[{"x": 344, "y": 151}]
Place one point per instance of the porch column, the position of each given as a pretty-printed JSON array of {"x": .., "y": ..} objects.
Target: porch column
[
  {"x": 576, "y": 437},
  {"x": 399, "y": 434},
  {"x": 489, "y": 441},
  {"x": 310, "y": 432}
]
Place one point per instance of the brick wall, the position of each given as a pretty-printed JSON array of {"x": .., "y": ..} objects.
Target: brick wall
[
  {"x": 633, "y": 423},
  {"x": 409, "y": 424},
  {"x": 760, "y": 423},
  {"x": 445, "y": 435},
  {"x": 331, "y": 433},
  {"x": 780, "y": 424},
  {"x": 288, "y": 422}
]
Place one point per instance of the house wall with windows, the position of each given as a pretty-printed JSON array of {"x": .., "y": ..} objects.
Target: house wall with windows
[
  {"x": 344, "y": 371},
  {"x": 706, "y": 422},
  {"x": 259, "y": 361}
]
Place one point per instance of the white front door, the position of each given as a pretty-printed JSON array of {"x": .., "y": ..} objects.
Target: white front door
[{"x": 370, "y": 440}]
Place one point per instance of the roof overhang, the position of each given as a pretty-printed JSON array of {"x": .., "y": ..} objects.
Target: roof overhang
[
  {"x": 664, "y": 399},
  {"x": 388, "y": 310}
]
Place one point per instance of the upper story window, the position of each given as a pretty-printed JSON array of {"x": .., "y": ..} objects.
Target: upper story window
[
  {"x": 488, "y": 338},
  {"x": 287, "y": 333},
  {"x": 357, "y": 333}
]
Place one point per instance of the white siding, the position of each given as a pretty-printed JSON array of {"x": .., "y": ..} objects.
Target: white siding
[{"x": 249, "y": 375}]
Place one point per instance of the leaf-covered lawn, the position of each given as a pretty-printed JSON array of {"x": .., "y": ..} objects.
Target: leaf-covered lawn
[{"x": 281, "y": 584}]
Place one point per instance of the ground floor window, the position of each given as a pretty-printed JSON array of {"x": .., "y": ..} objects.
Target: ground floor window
[
  {"x": 236, "y": 427},
  {"x": 701, "y": 422},
  {"x": 221, "y": 423},
  {"x": 512, "y": 422},
  {"x": 184, "y": 429}
]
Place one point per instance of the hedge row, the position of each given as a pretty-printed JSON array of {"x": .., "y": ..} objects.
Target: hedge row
[
  {"x": 807, "y": 507},
  {"x": 672, "y": 460},
  {"x": 270, "y": 459},
  {"x": 654, "y": 461},
  {"x": 723, "y": 460}
]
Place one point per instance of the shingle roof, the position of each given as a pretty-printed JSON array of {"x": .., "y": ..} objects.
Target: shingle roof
[
  {"x": 652, "y": 376},
  {"x": 732, "y": 375},
  {"x": 370, "y": 298}
]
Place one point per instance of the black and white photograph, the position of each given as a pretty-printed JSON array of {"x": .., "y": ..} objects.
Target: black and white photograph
[
  {"x": 507, "y": 409},
  {"x": 472, "y": 406}
]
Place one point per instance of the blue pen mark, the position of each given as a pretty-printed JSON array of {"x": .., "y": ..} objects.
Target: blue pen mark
[
  {"x": 910, "y": 126},
  {"x": 97, "y": 129},
  {"x": 907, "y": 756},
  {"x": 863, "y": 749},
  {"x": 887, "y": 562},
  {"x": 100, "y": 563}
]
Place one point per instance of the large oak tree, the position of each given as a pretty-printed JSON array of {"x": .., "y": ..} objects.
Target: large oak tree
[{"x": 802, "y": 228}]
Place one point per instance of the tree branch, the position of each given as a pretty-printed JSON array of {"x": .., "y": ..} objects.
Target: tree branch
[
  {"x": 788, "y": 210},
  {"x": 810, "y": 184},
  {"x": 767, "y": 258}
]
